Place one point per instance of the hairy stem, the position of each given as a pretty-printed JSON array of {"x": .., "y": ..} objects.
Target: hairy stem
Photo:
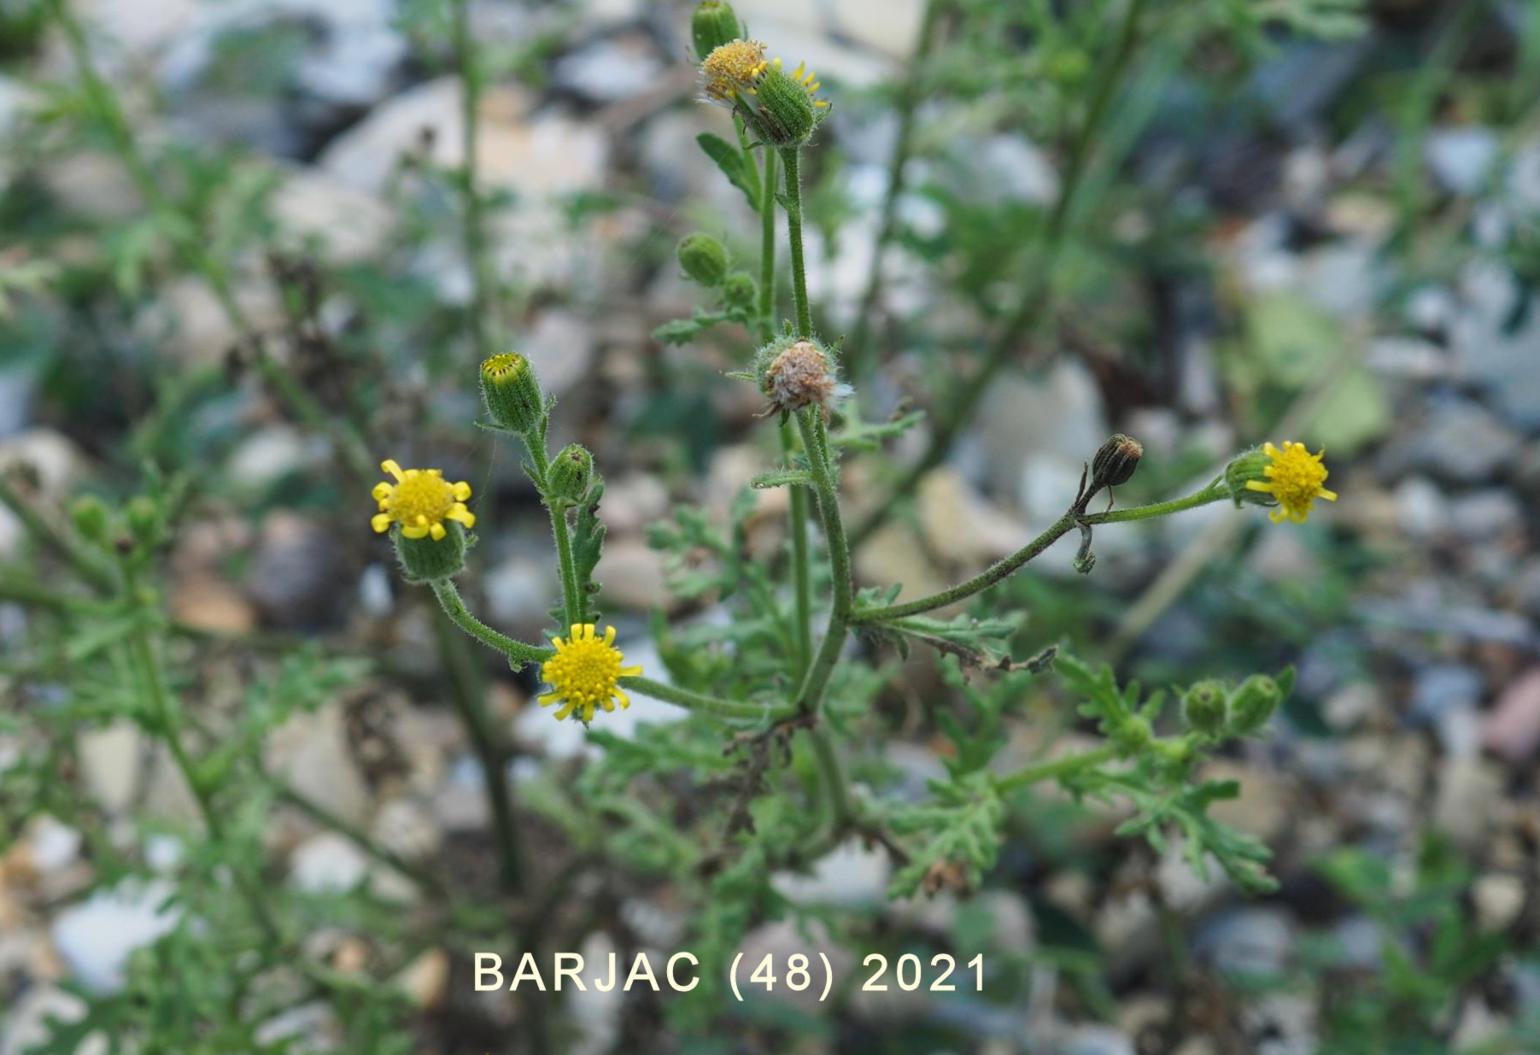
[
  {"x": 167, "y": 719},
  {"x": 797, "y": 513},
  {"x": 1004, "y": 568},
  {"x": 571, "y": 595},
  {"x": 815, "y": 441},
  {"x": 454, "y": 606},
  {"x": 704, "y": 704},
  {"x": 491, "y": 749},
  {"x": 791, "y": 160},
  {"x": 1056, "y": 768},
  {"x": 767, "y": 249}
]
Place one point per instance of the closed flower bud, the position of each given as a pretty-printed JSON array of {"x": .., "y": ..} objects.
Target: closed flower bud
[
  {"x": 1254, "y": 702},
  {"x": 739, "y": 290},
  {"x": 1205, "y": 708},
  {"x": 795, "y": 372},
  {"x": 143, "y": 517},
  {"x": 1115, "y": 461},
  {"x": 91, "y": 519},
  {"x": 703, "y": 258},
  {"x": 428, "y": 559},
  {"x": 512, "y": 393},
  {"x": 714, "y": 23},
  {"x": 782, "y": 110},
  {"x": 572, "y": 470},
  {"x": 1243, "y": 469}
]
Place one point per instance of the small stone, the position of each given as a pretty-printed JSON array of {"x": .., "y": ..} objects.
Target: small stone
[
  {"x": 295, "y": 577},
  {"x": 1461, "y": 158},
  {"x": 1443, "y": 688},
  {"x": 631, "y": 573},
  {"x": 327, "y": 863},
  {"x": 205, "y": 603},
  {"x": 97, "y": 936},
  {"x": 1422, "y": 510},
  {"x": 852, "y": 875},
  {"x": 961, "y": 525},
  {"x": 1254, "y": 941},
  {"x": 310, "y": 753},
  {"x": 1468, "y": 792},
  {"x": 1511, "y": 729},
  {"x": 350, "y": 224},
  {"x": 27, "y": 1023},
  {"x": 1483, "y": 516},
  {"x": 612, "y": 69},
  {"x": 1460, "y": 443},
  {"x": 110, "y": 763},
  {"x": 1499, "y": 898},
  {"x": 425, "y": 980}
]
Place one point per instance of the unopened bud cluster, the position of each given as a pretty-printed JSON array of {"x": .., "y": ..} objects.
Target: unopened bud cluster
[
  {"x": 1217, "y": 710},
  {"x": 782, "y": 109}
]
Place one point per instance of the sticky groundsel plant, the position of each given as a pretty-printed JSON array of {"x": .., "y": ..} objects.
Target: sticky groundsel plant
[
  {"x": 779, "y": 758},
  {"x": 780, "y": 693}
]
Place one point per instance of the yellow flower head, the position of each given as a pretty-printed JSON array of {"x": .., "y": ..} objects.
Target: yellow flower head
[
  {"x": 1294, "y": 479},
  {"x": 585, "y": 673},
  {"x": 420, "y": 501},
  {"x": 732, "y": 68}
]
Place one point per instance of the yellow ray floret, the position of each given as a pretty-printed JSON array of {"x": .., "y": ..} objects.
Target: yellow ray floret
[
  {"x": 420, "y": 501},
  {"x": 1294, "y": 478},
  {"x": 585, "y": 673}
]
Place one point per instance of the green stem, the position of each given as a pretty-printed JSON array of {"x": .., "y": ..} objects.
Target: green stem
[
  {"x": 767, "y": 249},
  {"x": 572, "y": 600},
  {"x": 797, "y": 514},
  {"x": 791, "y": 160},
  {"x": 167, "y": 721},
  {"x": 1038, "y": 288},
  {"x": 712, "y": 705},
  {"x": 92, "y": 569},
  {"x": 1210, "y": 494},
  {"x": 454, "y": 606},
  {"x": 1004, "y": 568},
  {"x": 1055, "y": 768},
  {"x": 487, "y": 742},
  {"x": 815, "y": 442},
  {"x": 833, "y": 777}
]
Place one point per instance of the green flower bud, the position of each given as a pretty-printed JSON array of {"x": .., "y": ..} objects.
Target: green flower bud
[
  {"x": 1254, "y": 702},
  {"x": 1243, "y": 468},
  {"x": 572, "y": 470},
  {"x": 740, "y": 290},
  {"x": 1205, "y": 707},
  {"x": 512, "y": 393},
  {"x": 703, "y": 258},
  {"x": 1115, "y": 461},
  {"x": 91, "y": 519},
  {"x": 714, "y": 23},
  {"x": 143, "y": 517},
  {"x": 782, "y": 111},
  {"x": 427, "y": 559}
]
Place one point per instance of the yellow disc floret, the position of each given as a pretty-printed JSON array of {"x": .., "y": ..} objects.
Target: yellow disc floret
[
  {"x": 1294, "y": 479},
  {"x": 731, "y": 69},
  {"x": 585, "y": 673},
  {"x": 420, "y": 501}
]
